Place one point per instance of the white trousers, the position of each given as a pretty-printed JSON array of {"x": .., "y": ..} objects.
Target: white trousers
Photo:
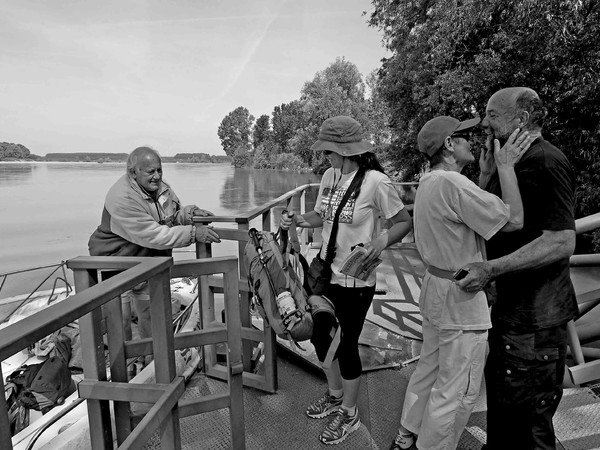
[{"x": 443, "y": 389}]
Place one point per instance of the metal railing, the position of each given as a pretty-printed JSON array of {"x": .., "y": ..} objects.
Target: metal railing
[{"x": 582, "y": 371}]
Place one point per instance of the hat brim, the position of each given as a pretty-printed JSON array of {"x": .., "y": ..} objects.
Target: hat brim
[
  {"x": 468, "y": 124},
  {"x": 343, "y": 148}
]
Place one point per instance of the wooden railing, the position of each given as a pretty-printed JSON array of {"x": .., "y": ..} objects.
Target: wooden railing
[
  {"x": 295, "y": 199},
  {"x": 90, "y": 304}
]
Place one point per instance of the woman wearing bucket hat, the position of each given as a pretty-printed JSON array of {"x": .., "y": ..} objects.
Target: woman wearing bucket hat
[{"x": 351, "y": 157}]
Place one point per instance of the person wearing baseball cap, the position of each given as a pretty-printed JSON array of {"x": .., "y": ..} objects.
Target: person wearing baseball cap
[
  {"x": 356, "y": 171},
  {"x": 452, "y": 219}
]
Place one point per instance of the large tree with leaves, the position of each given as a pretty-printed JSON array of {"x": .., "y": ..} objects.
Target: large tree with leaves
[
  {"x": 235, "y": 130},
  {"x": 337, "y": 90},
  {"x": 449, "y": 57}
]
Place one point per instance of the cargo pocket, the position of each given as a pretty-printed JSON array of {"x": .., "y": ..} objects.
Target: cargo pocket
[{"x": 514, "y": 365}]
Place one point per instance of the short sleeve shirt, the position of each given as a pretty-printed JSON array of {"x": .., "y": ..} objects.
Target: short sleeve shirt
[
  {"x": 358, "y": 219},
  {"x": 542, "y": 297},
  {"x": 452, "y": 218}
]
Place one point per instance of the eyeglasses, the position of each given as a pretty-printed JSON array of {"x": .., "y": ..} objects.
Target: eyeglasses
[{"x": 466, "y": 136}]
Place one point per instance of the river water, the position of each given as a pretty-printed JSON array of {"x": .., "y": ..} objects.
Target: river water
[{"x": 49, "y": 210}]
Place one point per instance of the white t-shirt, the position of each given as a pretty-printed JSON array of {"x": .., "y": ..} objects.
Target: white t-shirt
[
  {"x": 452, "y": 217},
  {"x": 378, "y": 197}
]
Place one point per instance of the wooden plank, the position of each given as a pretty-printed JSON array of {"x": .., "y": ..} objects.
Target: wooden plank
[
  {"x": 158, "y": 414},
  {"x": 234, "y": 358},
  {"x": 94, "y": 367},
  {"x": 164, "y": 357},
  {"x": 122, "y": 392},
  {"x": 183, "y": 340},
  {"x": 118, "y": 364},
  {"x": 207, "y": 403},
  {"x": 216, "y": 284}
]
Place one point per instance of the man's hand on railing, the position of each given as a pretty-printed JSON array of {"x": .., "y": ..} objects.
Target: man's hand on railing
[{"x": 206, "y": 234}]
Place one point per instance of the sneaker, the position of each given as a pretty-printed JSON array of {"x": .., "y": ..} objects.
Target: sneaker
[
  {"x": 403, "y": 441},
  {"x": 340, "y": 427},
  {"x": 324, "y": 406}
]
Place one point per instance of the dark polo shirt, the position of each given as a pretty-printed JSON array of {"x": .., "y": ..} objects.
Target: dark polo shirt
[{"x": 544, "y": 297}]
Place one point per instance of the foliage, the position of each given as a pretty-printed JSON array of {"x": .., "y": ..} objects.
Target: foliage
[
  {"x": 261, "y": 131},
  {"x": 450, "y": 57},
  {"x": 242, "y": 157},
  {"x": 289, "y": 161},
  {"x": 287, "y": 118},
  {"x": 265, "y": 155},
  {"x": 234, "y": 130},
  {"x": 9, "y": 151},
  {"x": 197, "y": 158},
  {"x": 336, "y": 90}
]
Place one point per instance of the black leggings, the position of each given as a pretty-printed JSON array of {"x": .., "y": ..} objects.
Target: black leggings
[{"x": 351, "y": 307}]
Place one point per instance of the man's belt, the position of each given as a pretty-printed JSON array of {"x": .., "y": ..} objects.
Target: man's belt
[{"x": 440, "y": 273}]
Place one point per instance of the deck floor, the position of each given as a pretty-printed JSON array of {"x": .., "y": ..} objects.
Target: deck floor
[{"x": 277, "y": 421}]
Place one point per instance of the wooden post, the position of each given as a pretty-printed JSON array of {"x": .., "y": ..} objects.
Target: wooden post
[
  {"x": 163, "y": 347},
  {"x": 118, "y": 363},
  {"x": 234, "y": 359},
  {"x": 94, "y": 367}
]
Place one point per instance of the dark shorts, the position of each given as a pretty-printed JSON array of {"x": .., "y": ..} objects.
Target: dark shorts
[{"x": 524, "y": 375}]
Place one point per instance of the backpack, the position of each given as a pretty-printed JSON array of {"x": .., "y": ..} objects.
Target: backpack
[
  {"x": 42, "y": 386},
  {"x": 273, "y": 281}
]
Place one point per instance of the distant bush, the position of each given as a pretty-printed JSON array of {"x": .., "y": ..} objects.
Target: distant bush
[
  {"x": 242, "y": 157},
  {"x": 289, "y": 161}
]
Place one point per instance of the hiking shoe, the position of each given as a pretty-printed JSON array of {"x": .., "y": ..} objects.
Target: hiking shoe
[
  {"x": 324, "y": 406},
  {"x": 340, "y": 427},
  {"x": 403, "y": 441}
]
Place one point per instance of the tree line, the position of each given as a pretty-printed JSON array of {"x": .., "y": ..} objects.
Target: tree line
[
  {"x": 282, "y": 139},
  {"x": 447, "y": 58},
  {"x": 18, "y": 152}
]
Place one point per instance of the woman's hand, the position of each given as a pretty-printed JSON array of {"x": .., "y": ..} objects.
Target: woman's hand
[
  {"x": 486, "y": 158},
  {"x": 287, "y": 219},
  {"x": 514, "y": 148},
  {"x": 374, "y": 248}
]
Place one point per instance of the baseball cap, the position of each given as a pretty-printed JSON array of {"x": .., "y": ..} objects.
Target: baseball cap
[{"x": 432, "y": 135}]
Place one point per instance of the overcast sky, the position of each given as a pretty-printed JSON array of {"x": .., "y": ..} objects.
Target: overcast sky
[{"x": 109, "y": 76}]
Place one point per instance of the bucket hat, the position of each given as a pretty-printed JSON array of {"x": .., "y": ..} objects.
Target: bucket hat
[
  {"x": 434, "y": 133},
  {"x": 343, "y": 135}
]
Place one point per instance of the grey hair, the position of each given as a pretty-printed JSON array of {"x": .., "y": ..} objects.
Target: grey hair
[
  {"x": 529, "y": 101},
  {"x": 138, "y": 154}
]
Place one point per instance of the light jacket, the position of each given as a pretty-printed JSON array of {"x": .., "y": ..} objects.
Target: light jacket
[{"x": 134, "y": 224}]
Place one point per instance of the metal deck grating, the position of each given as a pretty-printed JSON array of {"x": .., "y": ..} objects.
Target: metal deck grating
[{"x": 277, "y": 421}]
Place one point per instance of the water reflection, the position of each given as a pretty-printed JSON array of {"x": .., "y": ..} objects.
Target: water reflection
[
  {"x": 14, "y": 173},
  {"x": 246, "y": 189}
]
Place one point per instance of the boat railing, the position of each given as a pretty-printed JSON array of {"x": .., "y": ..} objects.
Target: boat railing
[
  {"x": 54, "y": 274},
  {"x": 96, "y": 300}
]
